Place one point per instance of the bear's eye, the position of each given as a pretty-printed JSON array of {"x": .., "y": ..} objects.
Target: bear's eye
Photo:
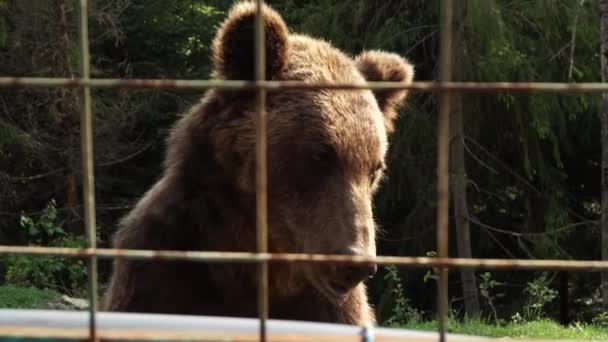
[{"x": 323, "y": 156}]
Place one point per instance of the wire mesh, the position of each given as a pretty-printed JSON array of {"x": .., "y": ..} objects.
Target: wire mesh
[
  {"x": 444, "y": 86},
  {"x": 88, "y": 180},
  {"x": 443, "y": 153},
  {"x": 261, "y": 179},
  {"x": 272, "y": 86},
  {"x": 244, "y": 257}
]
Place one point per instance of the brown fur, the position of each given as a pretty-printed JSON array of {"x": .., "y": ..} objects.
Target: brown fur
[
  {"x": 326, "y": 153},
  {"x": 379, "y": 66}
]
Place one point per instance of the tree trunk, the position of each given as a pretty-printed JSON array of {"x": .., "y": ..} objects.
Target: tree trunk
[
  {"x": 603, "y": 4},
  {"x": 458, "y": 168},
  {"x": 69, "y": 119}
]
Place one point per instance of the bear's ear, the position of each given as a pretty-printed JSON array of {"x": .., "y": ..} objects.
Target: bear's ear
[
  {"x": 233, "y": 46},
  {"x": 379, "y": 66}
]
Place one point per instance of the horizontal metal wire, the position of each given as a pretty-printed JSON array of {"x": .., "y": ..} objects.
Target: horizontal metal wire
[
  {"x": 427, "y": 86},
  {"x": 245, "y": 257}
]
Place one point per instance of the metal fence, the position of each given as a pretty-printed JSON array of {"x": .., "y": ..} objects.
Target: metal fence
[{"x": 444, "y": 87}]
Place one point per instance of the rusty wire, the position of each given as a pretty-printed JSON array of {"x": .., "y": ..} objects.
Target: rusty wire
[
  {"x": 88, "y": 179},
  {"x": 420, "y": 86},
  {"x": 441, "y": 264},
  {"x": 246, "y": 257},
  {"x": 443, "y": 155},
  {"x": 260, "y": 172}
]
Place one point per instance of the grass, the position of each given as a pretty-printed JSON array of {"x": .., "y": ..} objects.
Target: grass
[
  {"x": 537, "y": 329},
  {"x": 13, "y": 297},
  {"x": 32, "y": 298}
]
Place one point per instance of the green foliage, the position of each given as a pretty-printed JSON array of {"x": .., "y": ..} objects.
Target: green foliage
[
  {"x": 45, "y": 227},
  {"x": 13, "y": 297},
  {"x": 487, "y": 290},
  {"x": 169, "y": 38},
  {"x": 545, "y": 329},
  {"x": 48, "y": 272},
  {"x": 402, "y": 311},
  {"x": 538, "y": 295},
  {"x": 601, "y": 319}
]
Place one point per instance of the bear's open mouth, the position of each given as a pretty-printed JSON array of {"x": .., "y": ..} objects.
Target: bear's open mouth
[
  {"x": 339, "y": 289},
  {"x": 326, "y": 284},
  {"x": 334, "y": 291}
]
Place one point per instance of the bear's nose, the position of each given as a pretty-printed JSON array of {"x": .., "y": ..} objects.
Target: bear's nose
[
  {"x": 362, "y": 272},
  {"x": 347, "y": 277}
]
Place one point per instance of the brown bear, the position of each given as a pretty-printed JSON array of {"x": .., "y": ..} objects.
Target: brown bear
[{"x": 326, "y": 151}]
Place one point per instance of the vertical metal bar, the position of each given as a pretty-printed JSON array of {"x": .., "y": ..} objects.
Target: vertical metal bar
[
  {"x": 443, "y": 151},
  {"x": 88, "y": 181},
  {"x": 261, "y": 175}
]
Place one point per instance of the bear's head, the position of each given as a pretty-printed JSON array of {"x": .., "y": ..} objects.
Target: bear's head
[{"x": 326, "y": 148}]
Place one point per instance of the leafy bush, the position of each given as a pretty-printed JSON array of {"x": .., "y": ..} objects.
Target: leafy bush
[
  {"x": 539, "y": 294},
  {"x": 487, "y": 289},
  {"x": 48, "y": 272},
  {"x": 402, "y": 312},
  {"x": 12, "y": 297}
]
